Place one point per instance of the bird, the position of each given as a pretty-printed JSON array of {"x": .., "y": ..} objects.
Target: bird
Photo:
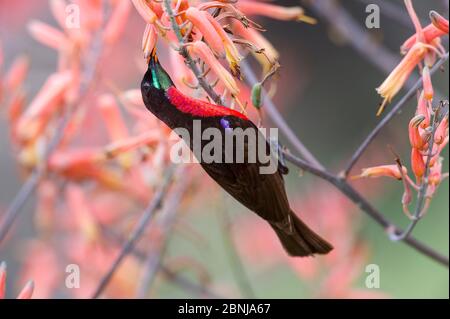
[{"x": 263, "y": 194}]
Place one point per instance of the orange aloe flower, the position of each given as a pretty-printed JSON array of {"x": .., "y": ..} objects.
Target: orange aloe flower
[
  {"x": 201, "y": 50},
  {"x": 274, "y": 11},
  {"x": 117, "y": 21},
  {"x": 48, "y": 35},
  {"x": 17, "y": 73},
  {"x": 415, "y": 138},
  {"x": 382, "y": 170},
  {"x": 397, "y": 78},
  {"x": 145, "y": 11},
  {"x": 43, "y": 106},
  {"x": 417, "y": 163}
]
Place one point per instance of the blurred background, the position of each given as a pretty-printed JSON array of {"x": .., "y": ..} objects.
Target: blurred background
[{"x": 327, "y": 93}]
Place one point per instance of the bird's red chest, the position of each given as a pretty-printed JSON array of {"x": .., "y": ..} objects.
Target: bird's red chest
[{"x": 199, "y": 108}]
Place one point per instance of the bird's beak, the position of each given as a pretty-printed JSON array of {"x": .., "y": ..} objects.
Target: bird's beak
[{"x": 153, "y": 58}]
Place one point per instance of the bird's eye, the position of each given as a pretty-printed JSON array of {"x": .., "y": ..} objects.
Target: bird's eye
[{"x": 145, "y": 86}]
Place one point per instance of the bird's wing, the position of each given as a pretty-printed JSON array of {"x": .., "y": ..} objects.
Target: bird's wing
[{"x": 262, "y": 193}]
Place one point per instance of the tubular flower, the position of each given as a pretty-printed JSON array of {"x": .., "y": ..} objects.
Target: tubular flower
[
  {"x": 415, "y": 137},
  {"x": 274, "y": 11},
  {"x": 439, "y": 21},
  {"x": 382, "y": 170},
  {"x": 397, "y": 78},
  {"x": 423, "y": 46},
  {"x": 201, "y": 50},
  {"x": 144, "y": 9},
  {"x": 417, "y": 163}
]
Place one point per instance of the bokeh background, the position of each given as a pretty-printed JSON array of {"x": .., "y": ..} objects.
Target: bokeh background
[{"x": 328, "y": 96}]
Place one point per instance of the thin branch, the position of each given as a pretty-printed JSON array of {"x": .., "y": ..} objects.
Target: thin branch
[
  {"x": 138, "y": 230},
  {"x": 272, "y": 111},
  {"x": 236, "y": 263},
  {"x": 172, "y": 276},
  {"x": 168, "y": 218},
  {"x": 394, "y": 111},
  {"x": 345, "y": 188},
  {"x": 30, "y": 185},
  {"x": 185, "y": 54}
]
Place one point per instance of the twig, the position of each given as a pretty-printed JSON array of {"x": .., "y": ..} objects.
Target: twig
[
  {"x": 175, "y": 278},
  {"x": 28, "y": 188},
  {"x": 398, "y": 106},
  {"x": 345, "y": 188},
  {"x": 235, "y": 260},
  {"x": 185, "y": 54},
  {"x": 168, "y": 218},
  {"x": 138, "y": 231},
  {"x": 272, "y": 111},
  {"x": 421, "y": 196}
]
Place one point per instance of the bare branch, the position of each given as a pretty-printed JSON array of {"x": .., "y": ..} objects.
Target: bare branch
[
  {"x": 138, "y": 231},
  {"x": 235, "y": 260},
  {"x": 168, "y": 218}
]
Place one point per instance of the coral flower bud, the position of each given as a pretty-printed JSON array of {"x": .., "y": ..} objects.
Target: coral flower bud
[
  {"x": 430, "y": 33},
  {"x": 417, "y": 163},
  {"x": 231, "y": 53},
  {"x": 17, "y": 73},
  {"x": 48, "y": 35},
  {"x": 439, "y": 21},
  {"x": 112, "y": 118},
  {"x": 200, "y": 20},
  {"x": 27, "y": 291},
  {"x": 422, "y": 109},
  {"x": 382, "y": 170},
  {"x": 117, "y": 21},
  {"x": 44, "y": 105},
  {"x": 274, "y": 11},
  {"x": 414, "y": 135},
  {"x": 149, "y": 40},
  {"x": 427, "y": 85},
  {"x": 435, "y": 177},
  {"x": 145, "y": 11},
  {"x": 441, "y": 131},
  {"x": 2, "y": 279},
  {"x": 204, "y": 52}
]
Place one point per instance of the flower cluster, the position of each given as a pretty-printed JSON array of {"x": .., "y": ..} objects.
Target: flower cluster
[
  {"x": 218, "y": 33},
  {"x": 428, "y": 130},
  {"x": 420, "y": 50},
  {"x": 102, "y": 155}
]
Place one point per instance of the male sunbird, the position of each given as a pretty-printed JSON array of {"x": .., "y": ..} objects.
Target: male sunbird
[{"x": 263, "y": 194}]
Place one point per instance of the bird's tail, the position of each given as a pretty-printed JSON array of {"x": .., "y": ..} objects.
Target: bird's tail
[{"x": 300, "y": 240}]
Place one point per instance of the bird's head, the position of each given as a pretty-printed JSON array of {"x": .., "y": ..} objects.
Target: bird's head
[{"x": 156, "y": 78}]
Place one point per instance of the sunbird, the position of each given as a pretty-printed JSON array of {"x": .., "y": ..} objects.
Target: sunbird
[{"x": 263, "y": 194}]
